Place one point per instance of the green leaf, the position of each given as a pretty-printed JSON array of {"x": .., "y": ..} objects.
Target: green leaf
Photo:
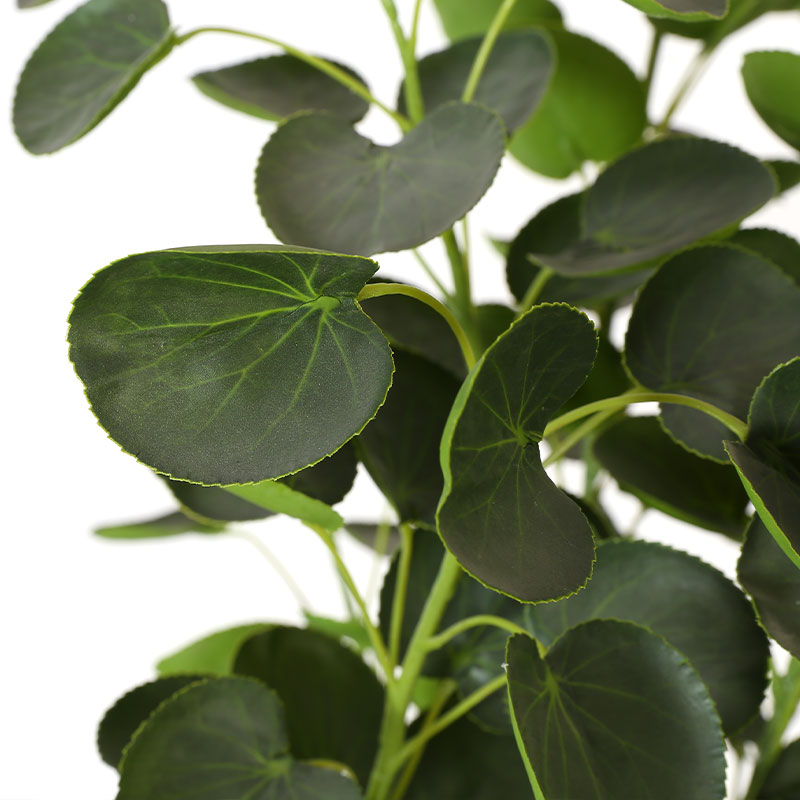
[
  {"x": 769, "y": 460},
  {"x": 400, "y": 447},
  {"x": 500, "y": 514},
  {"x": 173, "y": 524},
  {"x": 787, "y": 173},
  {"x": 238, "y": 749},
  {"x": 208, "y": 363},
  {"x": 332, "y": 699},
  {"x": 86, "y": 67},
  {"x": 465, "y": 762},
  {"x": 213, "y": 654},
  {"x": 614, "y": 711},
  {"x": 659, "y": 199},
  {"x": 648, "y": 463},
  {"x": 461, "y": 20},
  {"x": 685, "y": 10},
  {"x": 773, "y": 582},
  {"x": 512, "y": 84},
  {"x": 328, "y": 480},
  {"x": 783, "y": 780},
  {"x": 381, "y": 537},
  {"x": 214, "y": 503},
  {"x": 554, "y": 229},
  {"x": 277, "y": 87},
  {"x": 351, "y": 629},
  {"x": 692, "y": 605},
  {"x": 31, "y": 3},
  {"x": 320, "y": 184},
  {"x": 775, "y": 246},
  {"x": 123, "y": 719},
  {"x": 772, "y": 81},
  {"x": 491, "y": 321},
  {"x": 594, "y": 110},
  {"x": 710, "y": 324}
]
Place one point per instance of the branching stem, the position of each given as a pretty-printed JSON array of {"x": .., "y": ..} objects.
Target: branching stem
[
  {"x": 479, "y": 620},
  {"x": 411, "y": 87}
]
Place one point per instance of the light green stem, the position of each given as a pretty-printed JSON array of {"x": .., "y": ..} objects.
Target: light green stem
[
  {"x": 382, "y": 289},
  {"x": 462, "y": 300},
  {"x": 690, "y": 78},
  {"x": 400, "y": 589},
  {"x": 411, "y": 87},
  {"x": 479, "y": 620},
  {"x": 535, "y": 289},
  {"x": 482, "y": 56},
  {"x": 570, "y": 441},
  {"x": 429, "y": 272},
  {"x": 652, "y": 61},
  {"x": 321, "y": 64}
]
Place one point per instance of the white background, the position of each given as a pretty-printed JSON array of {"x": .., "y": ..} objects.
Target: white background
[{"x": 84, "y": 620}]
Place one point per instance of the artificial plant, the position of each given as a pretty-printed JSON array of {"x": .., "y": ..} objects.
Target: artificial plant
[{"x": 524, "y": 647}]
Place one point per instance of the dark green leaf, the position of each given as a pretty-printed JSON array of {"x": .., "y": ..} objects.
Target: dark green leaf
[
  {"x": 214, "y": 503},
  {"x": 381, "y": 538},
  {"x": 333, "y": 701},
  {"x": 772, "y": 81},
  {"x": 351, "y": 629},
  {"x": 777, "y": 247},
  {"x": 787, "y": 172},
  {"x": 222, "y": 738},
  {"x": 783, "y": 780},
  {"x": 614, "y": 711},
  {"x": 328, "y": 480},
  {"x": 279, "y": 86},
  {"x": 461, "y": 20},
  {"x": 400, "y": 447},
  {"x": 230, "y": 365},
  {"x": 692, "y": 605},
  {"x": 554, "y": 229},
  {"x": 685, "y": 10},
  {"x": 213, "y": 654},
  {"x": 648, "y": 463},
  {"x": 502, "y": 517},
  {"x": 769, "y": 461},
  {"x": 320, "y": 184},
  {"x": 594, "y": 110},
  {"x": 465, "y": 762},
  {"x": 512, "y": 84},
  {"x": 85, "y": 67},
  {"x": 491, "y": 320},
  {"x": 130, "y": 711},
  {"x": 710, "y": 324},
  {"x": 773, "y": 582},
  {"x": 659, "y": 199},
  {"x": 170, "y": 525}
]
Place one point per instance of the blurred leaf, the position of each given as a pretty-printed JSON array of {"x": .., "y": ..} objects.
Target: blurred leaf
[{"x": 772, "y": 81}]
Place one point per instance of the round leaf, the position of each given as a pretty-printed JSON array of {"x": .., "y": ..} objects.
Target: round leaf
[
  {"x": 710, "y": 324},
  {"x": 213, "y": 654},
  {"x": 512, "y": 84},
  {"x": 692, "y": 605},
  {"x": 320, "y": 184},
  {"x": 500, "y": 514},
  {"x": 773, "y": 582},
  {"x": 279, "y": 86},
  {"x": 461, "y": 20},
  {"x": 236, "y": 748},
  {"x": 684, "y": 10},
  {"x": 85, "y": 67},
  {"x": 774, "y": 246},
  {"x": 659, "y": 199},
  {"x": 230, "y": 365},
  {"x": 787, "y": 173},
  {"x": 772, "y": 81},
  {"x": 614, "y": 711},
  {"x": 594, "y": 109}
]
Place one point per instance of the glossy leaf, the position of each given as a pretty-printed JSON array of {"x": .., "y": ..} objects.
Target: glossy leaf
[
  {"x": 85, "y": 67},
  {"x": 772, "y": 81},
  {"x": 710, "y": 324},
  {"x": 769, "y": 460},
  {"x": 213, "y": 654},
  {"x": 332, "y": 699},
  {"x": 614, "y": 711},
  {"x": 277, "y": 87},
  {"x": 648, "y": 463},
  {"x": 512, "y": 84},
  {"x": 693, "y": 606},
  {"x": 173, "y": 524},
  {"x": 233, "y": 364},
  {"x": 400, "y": 447},
  {"x": 773, "y": 582},
  {"x": 783, "y": 780},
  {"x": 320, "y": 184},
  {"x": 684, "y": 10},
  {"x": 556, "y": 228},
  {"x": 774, "y": 246},
  {"x": 461, "y": 20},
  {"x": 659, "y": 199},
  {"x": 501, "y": 516},
  {"x": 130, "y": 711},
  {"x": 594, "y": 110},
  {"x": 238, "y": 747}
]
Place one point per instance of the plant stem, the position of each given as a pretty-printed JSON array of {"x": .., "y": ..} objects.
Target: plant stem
[
  {"x": 382, "y": 289},
  {"x": 618, "y": 402},
  {"x": 429, "y": 272},
  {"x": 411, "y": 87},
  {"x": 321, "y": 64},
  {"x": 482, "y": 56},
  {"x": 570, "y": 441},
  {"x": 652, "y": 61},
  {"x": 400, "y": 588},
  {"x": 374, "y": 634},
  {"x": 535, "y": 289},
  {"x": 479, "y": 620},
  {"x": 690, "y": 77},
  {"x": 462, "y": 301}
]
